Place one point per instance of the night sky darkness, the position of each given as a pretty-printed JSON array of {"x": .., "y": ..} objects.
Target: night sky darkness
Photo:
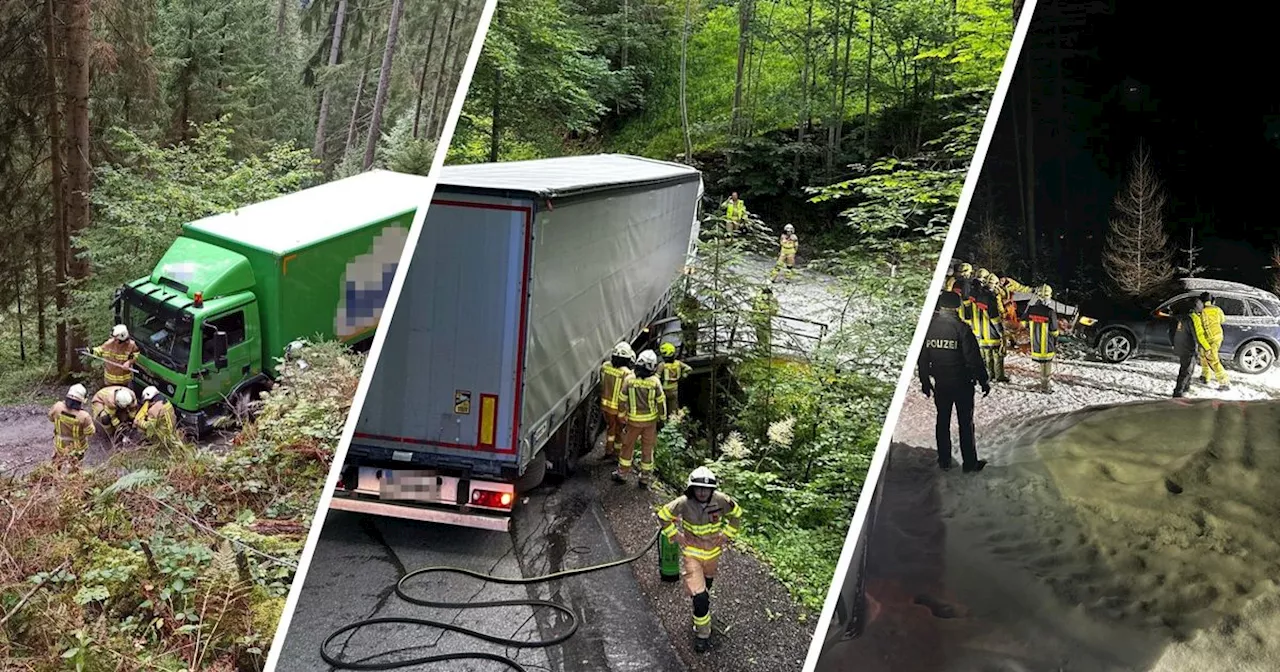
[{"x": 1196, "y": 85}]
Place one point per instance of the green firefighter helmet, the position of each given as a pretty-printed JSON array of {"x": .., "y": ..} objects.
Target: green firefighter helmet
[{"x": 667, "y": 350}]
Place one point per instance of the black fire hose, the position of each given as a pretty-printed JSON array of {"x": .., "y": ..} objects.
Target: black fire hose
[{"x": 494, "y": 639}]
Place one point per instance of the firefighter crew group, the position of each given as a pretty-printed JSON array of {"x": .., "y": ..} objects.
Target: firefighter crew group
[
  {"x": 736, "y": 216},
  {"x": 637, "y": 392},
  {"x": 986, "y": 305},
  {"x": 114, "y": 407}
]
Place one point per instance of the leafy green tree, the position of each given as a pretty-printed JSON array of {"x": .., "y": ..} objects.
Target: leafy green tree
[{"x": 141, "y": 203}]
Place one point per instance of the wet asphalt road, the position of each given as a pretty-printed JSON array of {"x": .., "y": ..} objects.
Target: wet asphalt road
[{"x": 359, "y": 559}]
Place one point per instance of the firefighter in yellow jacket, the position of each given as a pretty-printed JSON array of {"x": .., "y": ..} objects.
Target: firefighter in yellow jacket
[
  {"x": 701, "y": 522},
  {"x": 1208, "y": 324},
  {"x": 988, "y": 325},
  {"x": 788, "y": 245},
  {"x": 673, "y": 371},
  {"x": 613, "y": 374},
  {"x": 735, "y": 212},
  {"x": 640, "y": 407},
  {"x": 156, "y": 415},
  {"x": 120, "y": 353},
  {"x": 113, "y": 408},
  {"x": 72, "y": 427},
  {"x": 1041, "y": 321}
]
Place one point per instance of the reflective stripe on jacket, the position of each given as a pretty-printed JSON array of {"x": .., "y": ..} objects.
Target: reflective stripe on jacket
[
  {"x": 1211, "y": 319},
  {"x": 71, "y": 429},
  {"x": 987, "y": 326},
  {"x": 790, "y": 243},
  {"x": 155, "y": 414},
  {"x": 1042, "y": 325},
  {"x": 701, "y": 523},
  {"x": 611, "y": 379},
  {"x": 119, "y": 355},
  {"x": 672, "y": 372},
  {"x": 643, "y": 400}
]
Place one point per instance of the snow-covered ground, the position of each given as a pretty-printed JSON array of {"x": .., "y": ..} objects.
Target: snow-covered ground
[
  {"x": 1114, "y": 530},
  {"x": 1077, "y": 383}
]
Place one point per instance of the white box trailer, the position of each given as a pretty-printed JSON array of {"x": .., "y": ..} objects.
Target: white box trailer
[{"x": 525, "y": 276}]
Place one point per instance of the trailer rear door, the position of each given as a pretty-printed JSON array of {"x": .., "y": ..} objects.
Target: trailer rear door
[{"x": 447, "y": 386}]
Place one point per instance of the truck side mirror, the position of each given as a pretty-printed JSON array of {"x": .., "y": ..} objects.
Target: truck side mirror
[{"x": 220, "y": 350}]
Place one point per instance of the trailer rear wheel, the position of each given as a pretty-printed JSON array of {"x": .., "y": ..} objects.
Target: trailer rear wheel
[{"x": 562, "y": 450}]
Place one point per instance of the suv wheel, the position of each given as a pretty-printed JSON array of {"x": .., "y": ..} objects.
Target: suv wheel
[
  {"x": 1115, "y": 346},
  {"x": 1255, "y": 357}
]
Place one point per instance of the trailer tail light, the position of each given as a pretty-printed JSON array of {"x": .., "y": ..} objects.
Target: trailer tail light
[
  {"x": 198, "y": 299},
  {"x": 487, "y": 435},
  {"x": 492, "y": 499}
]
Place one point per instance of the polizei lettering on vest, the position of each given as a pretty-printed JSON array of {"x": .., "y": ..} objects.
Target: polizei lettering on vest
[{"x": 941, "y": 344}]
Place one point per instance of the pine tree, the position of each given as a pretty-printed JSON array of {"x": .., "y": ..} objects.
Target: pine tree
[{"x": 1137, "y": 256}]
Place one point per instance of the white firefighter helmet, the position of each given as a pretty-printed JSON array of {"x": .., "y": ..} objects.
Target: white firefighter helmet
[
  {"x": 982, "y": 274},
  {"x": 624, "y": 351},
  {"x": 648, "y": 360},
  {"x": 1045, "y": 292},
  {"x": 120, "y": 332},
  {"x": 77, "y": 393},
  {"x": 702, "y": 477},
  {"x": 150, "y": 393},
  {"x": 789, "y": 228},
  {"x": 124, "y": 398},
  {"x": 965, "y": 269}
]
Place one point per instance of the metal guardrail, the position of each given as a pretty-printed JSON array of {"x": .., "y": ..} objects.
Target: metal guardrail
[{"x": 738, "y": 334}]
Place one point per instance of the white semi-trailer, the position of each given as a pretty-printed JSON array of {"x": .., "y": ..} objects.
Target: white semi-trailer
[{"x": 525, "y": 276}]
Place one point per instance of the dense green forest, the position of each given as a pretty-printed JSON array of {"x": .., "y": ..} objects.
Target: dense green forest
[
  {"x": 119, "y": 121},
  {"x": 854, "y": 121}
]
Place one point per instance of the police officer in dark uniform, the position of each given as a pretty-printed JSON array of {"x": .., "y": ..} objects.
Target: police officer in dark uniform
[
  {"x": 950, "y": 363},
  {"x": 1182, "y": 333}
]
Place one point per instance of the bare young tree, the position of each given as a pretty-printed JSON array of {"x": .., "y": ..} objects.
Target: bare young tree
[
  {"x": 991, "y": 248},
  {"x": 1190, "y": 268},
  {"x": 1137, "y": 256}
]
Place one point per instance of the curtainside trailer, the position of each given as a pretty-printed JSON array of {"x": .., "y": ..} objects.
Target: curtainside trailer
[{"x": 526, "y": 275}]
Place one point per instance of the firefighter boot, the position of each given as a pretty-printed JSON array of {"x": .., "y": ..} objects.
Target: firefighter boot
[
  {"x": 1046, "y": 377},
  {"x": 1000, "y": 354}
]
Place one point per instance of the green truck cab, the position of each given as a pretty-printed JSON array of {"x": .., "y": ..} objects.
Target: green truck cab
[{"x": 214, "y": 318}]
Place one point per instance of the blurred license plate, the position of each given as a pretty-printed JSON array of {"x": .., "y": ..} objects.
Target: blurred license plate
[{"x": 408, "y": 485}]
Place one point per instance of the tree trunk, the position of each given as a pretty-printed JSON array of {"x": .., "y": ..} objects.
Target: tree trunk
[
  {"x": 439, "y": 108},
  {"x": 866, "y": 106},
  {"x": 626, "y": 31},
  {"x": 684, "y": 82},
  {"x": 422, "y": 82},
  {"x": 355, "y": 106},
  {"x": 495, "y": 132},
  {"x": 835, "y": 90},
  {"x": 78, "y": 41},
  {"x": 1060, "y": 131},
  {"x": 384, "y": 83},
  {"x": 1031, "y": 176},
  {"x": 334, "y": 49},
  {"x": 53, "y": 118},
  {"x": 744, "y": 34},
  {"x": 42, "y": 292},
  {"x": 282, "y": 12},
  {"x": 805, "y": 113},
  {"x": 17, "y": 294},
  {"x": 844, "y": 76}
]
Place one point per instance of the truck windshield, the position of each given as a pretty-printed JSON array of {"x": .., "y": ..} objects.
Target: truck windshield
[{"x": 162, "y": 333}]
